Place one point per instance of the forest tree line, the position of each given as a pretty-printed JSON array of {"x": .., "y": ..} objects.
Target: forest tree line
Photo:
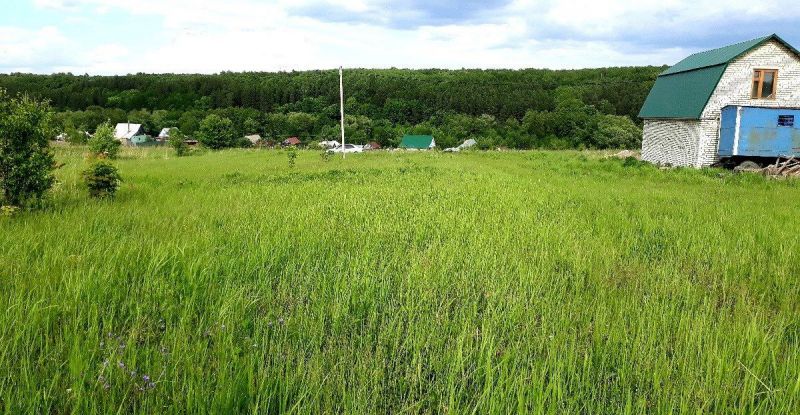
[{"x": 589, "y": 108}]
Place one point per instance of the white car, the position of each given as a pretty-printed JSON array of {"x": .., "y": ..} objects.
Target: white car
[{"x": 348, "y": 148}]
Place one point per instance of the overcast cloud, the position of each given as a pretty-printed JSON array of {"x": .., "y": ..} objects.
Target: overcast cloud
[{"x": 206, "y": 36}]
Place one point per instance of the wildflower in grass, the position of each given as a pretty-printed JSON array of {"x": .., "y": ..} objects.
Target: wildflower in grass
[{"x": 8, "y": 210}]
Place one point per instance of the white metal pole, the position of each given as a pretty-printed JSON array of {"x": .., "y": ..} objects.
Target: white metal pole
[{"x": 341, "y": 106}]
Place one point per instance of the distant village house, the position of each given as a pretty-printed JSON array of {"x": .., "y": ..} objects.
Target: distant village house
[
  {"x": 164, "y": 134},
  {"x": 418, "y": 142},
  {"x": 291, "y": 142},
  {"x": 129, "y": 133}
]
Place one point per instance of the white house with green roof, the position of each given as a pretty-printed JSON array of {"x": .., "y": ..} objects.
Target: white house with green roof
[{"x": 682, "y": 112}]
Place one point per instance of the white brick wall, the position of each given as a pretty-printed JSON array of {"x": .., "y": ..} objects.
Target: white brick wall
[
  {"x": 671, "y": 142},
  {"x": 733, "y": 89}
]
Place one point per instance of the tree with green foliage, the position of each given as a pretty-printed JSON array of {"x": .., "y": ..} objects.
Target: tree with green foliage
[
  {"x": 26, "y": 163},
  {"x": 177, "y": 140},
  {"x": 552, "y": 109},
  {"x": 101, "y": 179},
  {"x": 216, "y": 133},
  {"x": 76, "y": 136},
  {"x": 614, "y": 131},
  {"x": 103, "y": 143}
]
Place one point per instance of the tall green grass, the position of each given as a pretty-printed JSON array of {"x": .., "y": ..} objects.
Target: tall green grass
[{"x": 523, "y": 282}]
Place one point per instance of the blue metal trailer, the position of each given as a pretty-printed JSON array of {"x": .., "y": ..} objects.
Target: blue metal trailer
[{"x": 750, "y": 133}]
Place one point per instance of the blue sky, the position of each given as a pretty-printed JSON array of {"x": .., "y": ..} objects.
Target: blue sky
[{"x": 207, "y": 36}]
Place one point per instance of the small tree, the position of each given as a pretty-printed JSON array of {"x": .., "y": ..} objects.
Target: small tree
[
  {"x": 103, "y": 142},
  {"x": 216, "y": 132},
  {"x": 102, "y": 179},
  {"x": 614, "y": 131},
  {"x": 291, "y": 153},
  {"x": 178, "y": 141},
  {"x": 74, "y": 135},
  {"x": 26, "y": 163}
]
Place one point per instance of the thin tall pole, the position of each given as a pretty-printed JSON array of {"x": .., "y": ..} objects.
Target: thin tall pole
[{"x": 341, "y": 106}]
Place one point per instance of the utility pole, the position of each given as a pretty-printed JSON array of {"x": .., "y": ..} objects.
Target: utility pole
[{"x": 341, "y": 106}]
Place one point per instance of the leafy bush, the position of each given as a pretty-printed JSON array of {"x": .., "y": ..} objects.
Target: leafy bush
[
  {"x": 217, "y": 132},
  {"x": 178, "y": 141},
  {"x": 102, "y": 179},
  {"x": 617, "y": 132},
  {"x": 103, "y": 143},
  {"x": 74, "y": 135},
  {"x": 26, "y": 163},
  {"x": 291, "y": 152}
]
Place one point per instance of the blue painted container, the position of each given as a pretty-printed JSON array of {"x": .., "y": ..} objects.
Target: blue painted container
[{"x": 759, "y": 132}]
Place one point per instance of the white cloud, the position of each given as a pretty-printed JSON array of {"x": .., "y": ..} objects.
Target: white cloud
[
  {"x": 237, "y": 35},
  {"x": 29, "y": 50}
]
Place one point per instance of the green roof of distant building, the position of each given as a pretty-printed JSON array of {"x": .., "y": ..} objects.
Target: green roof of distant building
[{"x": 417, "y": 141}]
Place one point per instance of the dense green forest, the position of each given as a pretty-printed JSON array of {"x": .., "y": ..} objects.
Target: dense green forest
[{"x": 589, "y": 108}]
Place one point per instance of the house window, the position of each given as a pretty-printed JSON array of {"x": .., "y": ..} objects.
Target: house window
[
  {"x": 765, "y": 83},
  {"x": 786, "y": 121}
]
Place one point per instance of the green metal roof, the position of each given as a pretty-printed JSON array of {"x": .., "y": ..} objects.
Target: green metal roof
[
  {"x": 682, "y": 91},
  {"x": 417, "y": 141},
  {"x": 683, "y": 95},
  {"x": 714, "y": 57}
]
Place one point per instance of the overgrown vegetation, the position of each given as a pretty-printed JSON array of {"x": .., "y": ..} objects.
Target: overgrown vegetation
[
  {"x": 26, "y": 163},
  {"x": 499, "y": 108},
  {"x": 101, "y": 179},
  {"x": 177, "y": 140},
  {"x": 103, "y": 143},
  {"x": 481, "y": 282}
]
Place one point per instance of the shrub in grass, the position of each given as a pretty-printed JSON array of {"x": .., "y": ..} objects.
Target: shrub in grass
[
  {"x": 26, "y": 163},
  {"x": 326, "y": 156},
  {"x": 178, "y": 141},
  {"x": 103, "y": 143},
  {"x": 291, "y": 152},
  {"x": 102, "y": 179}
]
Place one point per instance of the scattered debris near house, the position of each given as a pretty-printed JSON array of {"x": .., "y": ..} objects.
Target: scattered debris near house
[
  {"x": 624, "y": 154},
  {"x": 752, "y": 84},
  {"x": 783, "y": 167},
  {"x": 254, "y": 139},
  {"x": 372, "y": 145},
  {"x": 465, "y": 145}
]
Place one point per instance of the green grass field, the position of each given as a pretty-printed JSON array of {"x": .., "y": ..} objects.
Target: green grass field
[{"x": 520, "y": 282}]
